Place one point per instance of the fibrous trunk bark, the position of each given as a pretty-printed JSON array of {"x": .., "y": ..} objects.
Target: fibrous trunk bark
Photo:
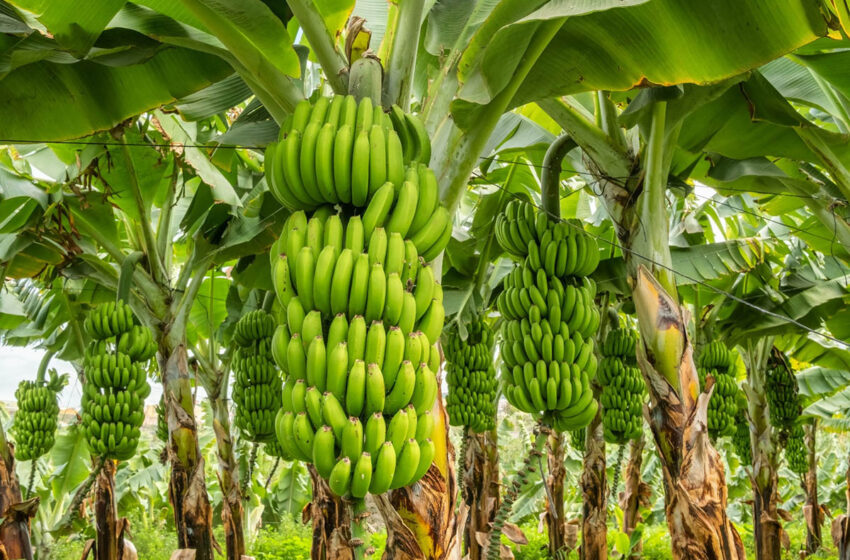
[
  {"x": 108, "y": 536},
  {"x": 480, "y": 473},
  {"x": 630, "y": 499},
  {"x": 812, "y": 511},
  {"x": 228, "y": 479},
  {"x": 766, "y": 525},
  {"x": 556, "y": 523},
  {"x": 331, "y": 522},
  {"x": 695, "y": 493},
  {"x": 14, "y": 529},
  {"x": 594, "y": 505},
  {"x": 423, "y": 525},
  {"x": 187, "y": 488},
  {"x": 841, "y": 525}
]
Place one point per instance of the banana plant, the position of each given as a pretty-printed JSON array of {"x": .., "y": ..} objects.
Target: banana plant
[
  {"x": 488, "y": 58},
  {"x": 184, "y": 215}
]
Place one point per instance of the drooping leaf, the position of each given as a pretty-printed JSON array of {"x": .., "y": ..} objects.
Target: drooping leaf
[{"x": 48, "y": 101}]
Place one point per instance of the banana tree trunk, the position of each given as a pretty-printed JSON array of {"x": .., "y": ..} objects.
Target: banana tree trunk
[
  {"x": 594, "y": 535},
  {"x": 766, "y": 525},
  {"x": 693, "y": 473},
  {"x": 841, "y": 525},
  {"x": 14, "y": 530},
  {"x": 187, "y": 488},
  {"x": 695, "y": 493},
  {"x": 331, "y": 522},
  {"x": 555, "y": 519},
  {"x": 423, "y": 524},
  {"x": 228, "y": 479},
  {"x": 633, "y": 487},
  {"x": 108, "y": 542},
  {"x": 811, "y": 511},
  {"x": 481, "y": 490}
]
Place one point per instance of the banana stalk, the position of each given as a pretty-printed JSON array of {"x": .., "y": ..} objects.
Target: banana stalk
[
  {"x": 187, "y": 488},
  {"x": 109, "y": 539},
  {"x": 14, "y": 531},
  {"x": 765, "y": 453},
  {"x": 632, "y": 490},
  {"x": 812, "y": 510},
  {"x": 481, "y": 476},
  {"x": 521, "y": 479},
  {"x": 594, "y": 504},
  {"x": 555, "y": 519}
]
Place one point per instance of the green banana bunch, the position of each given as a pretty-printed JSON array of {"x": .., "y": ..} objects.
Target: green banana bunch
[
  {"x": 782, "y": 397},
  {"x": 471, "y": 377},
  {"x": 360, "y": 309},
  {"x": 161, "y": 421},
  {"x": 339, "y": 151},
  {"x": 549, "y": 319},
  {"x": 741, "y": 442},
  {"x": 338, "y": 269},
  {"x": 578, "y": 439},
  {"x": 115, "y": 385},
  {"x": 795, "y": 450},
  {"x": 34, "y": 424},
  {"x": 623, "y": 388},
  {"x": 273, "y": 449},
  {"x": 716, "y": 360},
  {"x": 109, "y": 320},
  {"x": 257, "y": 383}
]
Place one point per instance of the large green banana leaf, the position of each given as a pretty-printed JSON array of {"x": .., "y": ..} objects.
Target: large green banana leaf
[
  {"x": 698, "y": 263},
  {"x": 620, "y": 45}
]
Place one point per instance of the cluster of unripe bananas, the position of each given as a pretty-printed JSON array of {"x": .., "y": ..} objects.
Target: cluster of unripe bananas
[
  {"x": 256, "y": 387},
  {"x": 339, "y": 152},
  {"x": 716, "y": 360},
  {"x": 741, "y": 442},
  {"x": 782, "y": 397},
  {"x": 471, "y": 377},
  {"x": 623, "y": 388},
  {"x": 361, "y": 311},
  {"x": 34, "y": 425},
  {"x": 796, "y": 453},
  {"x": 550, "y": 317},
  {"x": 161, "y": 421},
  {"x": 338, "y": 270},
  {"x": 115, "y": 385}
]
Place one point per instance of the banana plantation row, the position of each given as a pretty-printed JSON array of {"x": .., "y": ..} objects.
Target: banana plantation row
[{"x": 494, "y": 214}]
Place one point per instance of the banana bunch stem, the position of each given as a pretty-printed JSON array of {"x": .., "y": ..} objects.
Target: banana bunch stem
[
  {"x": 31, "y": 483},
  {"x": 359, "y": 514},
  {"x": 618, "y": 467},
  {"x": 461, "y": 461},
  {"x": 521, "y": 478}
]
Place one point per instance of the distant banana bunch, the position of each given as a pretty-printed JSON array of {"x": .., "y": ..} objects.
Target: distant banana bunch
[
  {"x": 795, "y": 450},
  {"x": 550, "y": 317},
  {"x": 716, "y": 360},
  {"x": 257, "y": 382},
  {"x": 273, "y": 449},
  {"x": 34, "y": 425},
  {"x": 115, "y": 385},
  {"x": 782, "y": 398},
  {"x": 361, "y": 310},
  {"x": 741, "y": 442},
  {"x": 471, "y": 377},
  {"x": 161, "y": 421},
  {"x": 578, "y": 438},
  {"x": 623, "y": 388}
]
